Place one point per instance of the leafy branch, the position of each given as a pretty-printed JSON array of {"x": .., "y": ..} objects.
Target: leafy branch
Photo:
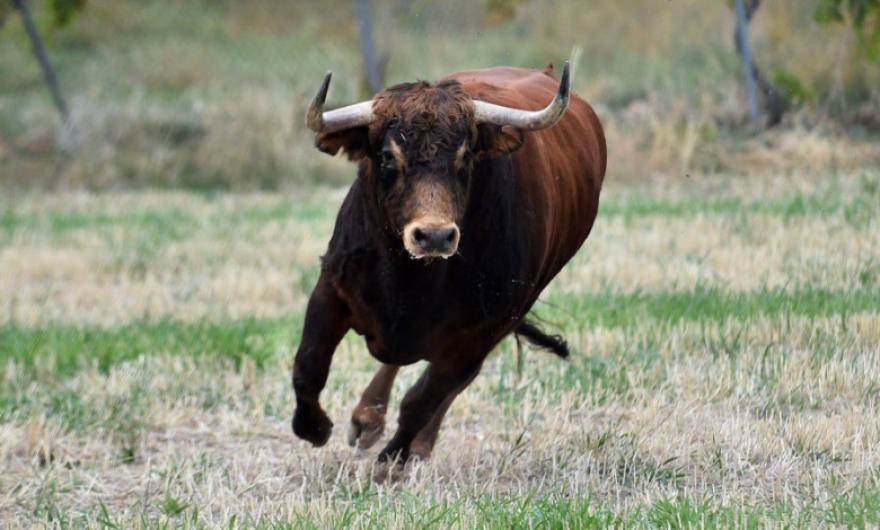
[{"x": 863, "y": 15}]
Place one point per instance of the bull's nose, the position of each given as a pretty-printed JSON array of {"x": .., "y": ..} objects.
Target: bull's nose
[{"x": 438, "y": 241}]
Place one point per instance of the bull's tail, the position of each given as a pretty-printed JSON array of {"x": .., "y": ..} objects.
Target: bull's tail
[{"x": 535, "y": 335}]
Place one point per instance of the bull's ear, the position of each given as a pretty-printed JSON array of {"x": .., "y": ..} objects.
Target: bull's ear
[
  {"x": 354, "y": 142},
  {"x": 493, "y": 140}
]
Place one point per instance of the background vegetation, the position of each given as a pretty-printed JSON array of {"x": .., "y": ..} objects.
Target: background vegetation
[
  {"x": 157, "y": 252},
  {"x": 201, "y": 94}
]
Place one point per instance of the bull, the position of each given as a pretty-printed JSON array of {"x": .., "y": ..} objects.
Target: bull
[{"x": 471, "y": 195}]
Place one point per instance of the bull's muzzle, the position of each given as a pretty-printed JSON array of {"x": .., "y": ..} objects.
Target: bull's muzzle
[{"x": 431, "y": 239}]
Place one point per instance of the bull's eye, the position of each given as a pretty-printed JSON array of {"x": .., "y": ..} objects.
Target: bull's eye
[
  {"x": 389, "y": 170},
  {"x": 462, "y": 166},
  {"x": 388, "y": 159}
]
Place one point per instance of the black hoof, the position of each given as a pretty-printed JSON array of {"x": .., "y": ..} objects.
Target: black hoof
[
  {"x": 312, "y": 426},
  {"x": 400, "y": 455}
]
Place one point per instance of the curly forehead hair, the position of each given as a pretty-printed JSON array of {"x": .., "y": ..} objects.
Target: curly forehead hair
[{"x": 431, "y": 117}]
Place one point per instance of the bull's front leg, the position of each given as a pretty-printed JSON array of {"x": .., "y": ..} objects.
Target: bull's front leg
[
  {"x": 327, "y": 321},
  {"x": 440, "y": 381}
]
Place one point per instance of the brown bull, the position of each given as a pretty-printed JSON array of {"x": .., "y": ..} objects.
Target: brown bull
[{"x": 471, "y": 196}]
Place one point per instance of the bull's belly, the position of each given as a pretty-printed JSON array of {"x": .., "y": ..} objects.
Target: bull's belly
[
  {"x": 384, "y": 353},
  {"x": 425, "y": 339}
]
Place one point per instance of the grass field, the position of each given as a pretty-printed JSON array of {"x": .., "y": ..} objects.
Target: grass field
[{"x": 727, "y": 368}]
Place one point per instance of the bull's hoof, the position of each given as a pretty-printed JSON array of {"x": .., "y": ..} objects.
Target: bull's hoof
[
  {"x": 388, "y": 473},
  {"x": 420, "y": 451},
  {"x": 312, "y": 426},
  {"x": 366, "y": 428},
  {"x": 394, "y": 453}
]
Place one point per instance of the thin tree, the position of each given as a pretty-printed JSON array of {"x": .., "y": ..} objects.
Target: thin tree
[
  {"x": 742, "y": 46},
  {"x": 775, "y": 105},
  {"x": 43, "y": 58},
  {"x": 368, "y": 45},
  {"x": 375, "y": 61}
]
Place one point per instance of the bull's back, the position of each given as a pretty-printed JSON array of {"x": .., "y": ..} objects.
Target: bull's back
[{"x": 559, "y": 170}]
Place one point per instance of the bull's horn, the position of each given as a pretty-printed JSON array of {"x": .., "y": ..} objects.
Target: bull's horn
[
  {"x": 337, "y": 120},
  {"x": 526, "y": 119}
]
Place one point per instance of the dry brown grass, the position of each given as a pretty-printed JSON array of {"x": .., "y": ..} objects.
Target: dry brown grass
[
  {"x": 749, "y": 410},
  {"x": 225, "y": 259},
  {"x": 710, "y": 430}
]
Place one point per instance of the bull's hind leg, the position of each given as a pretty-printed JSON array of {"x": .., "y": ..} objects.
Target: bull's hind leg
[
  {"x": 439, "y": 382},
  {"x": 368, "y": 417},
  {"x": 423, "y": 445}
]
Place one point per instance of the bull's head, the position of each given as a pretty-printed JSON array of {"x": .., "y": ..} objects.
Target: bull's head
[{"x": 419, "y": 144}]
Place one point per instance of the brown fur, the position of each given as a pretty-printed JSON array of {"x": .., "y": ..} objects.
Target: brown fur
[
  {"x": 525, "y": 203},
  {"x": 421, "y": 111}
]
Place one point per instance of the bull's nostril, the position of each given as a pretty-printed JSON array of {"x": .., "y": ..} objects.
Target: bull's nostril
[{"x": 434, "y": 240}]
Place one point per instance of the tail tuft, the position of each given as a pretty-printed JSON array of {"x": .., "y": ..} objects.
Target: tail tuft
[{"x": 536, "y": 336}]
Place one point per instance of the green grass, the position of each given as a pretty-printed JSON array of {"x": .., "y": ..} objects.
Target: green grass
[
  {"x": 67, "y": 349},
  {"x": 859, "y": 209},
  {"x": 858, "y": 508},
  {"x": 706, "y": 304},
  {"x": 70, "y": 348},
  {"x": 171, "y": 223}
]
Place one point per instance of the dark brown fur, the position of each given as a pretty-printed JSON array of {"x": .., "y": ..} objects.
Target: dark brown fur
[{"x": 524, "y": 202}]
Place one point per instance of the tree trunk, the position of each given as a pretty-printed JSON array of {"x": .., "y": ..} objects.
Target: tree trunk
[
  {"x": 775, "y": 105},
  {"x": 742, "y": 45},
  {"x": 373, "y": 68},
  {"x": 43, "y": 58}
]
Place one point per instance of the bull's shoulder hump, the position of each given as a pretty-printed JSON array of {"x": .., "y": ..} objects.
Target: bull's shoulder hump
[
  {"x": 505, "y": 76},
  {"x": 504, "y": 85}
]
